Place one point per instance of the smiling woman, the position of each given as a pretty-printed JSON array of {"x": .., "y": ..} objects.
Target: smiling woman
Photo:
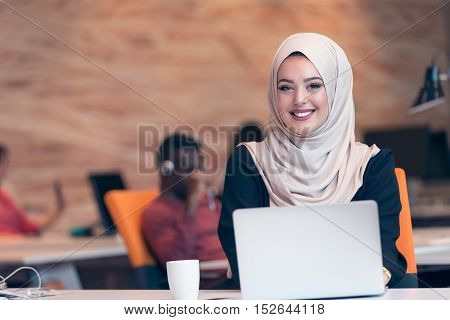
[
  {"x": 302, "y": 98},
  {"x": 310, "y": 155}
]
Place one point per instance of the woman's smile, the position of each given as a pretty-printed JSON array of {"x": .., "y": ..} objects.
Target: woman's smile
[{"x": 302, "y": 114}]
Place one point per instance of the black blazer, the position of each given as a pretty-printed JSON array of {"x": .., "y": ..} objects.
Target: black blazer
[{"x": 244, "y": 188}]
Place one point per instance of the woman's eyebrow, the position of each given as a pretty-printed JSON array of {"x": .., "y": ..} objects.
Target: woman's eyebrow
[
  {"x": 285, "y": 80},
  {"x": 313, "y": 78}
]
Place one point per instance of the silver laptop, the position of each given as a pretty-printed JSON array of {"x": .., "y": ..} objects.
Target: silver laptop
[{"x": 314, "y": 251}]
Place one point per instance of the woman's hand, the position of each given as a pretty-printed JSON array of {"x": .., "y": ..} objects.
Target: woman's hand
[
  {"x": 387, "y": 276},
  {"x": 229, "y": 273},
  {"x": 196, "y": 188}
]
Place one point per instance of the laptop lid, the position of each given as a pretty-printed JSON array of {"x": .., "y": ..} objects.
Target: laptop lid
[
  {"x": 100, "y": 184},
  {"x": 317, "y": 251}
]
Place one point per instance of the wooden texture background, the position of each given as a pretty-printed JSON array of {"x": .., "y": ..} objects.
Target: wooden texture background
[{"x": 73, "y": 105}]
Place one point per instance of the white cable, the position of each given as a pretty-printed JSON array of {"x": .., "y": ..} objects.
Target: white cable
[{"x": 3, "y": 280}]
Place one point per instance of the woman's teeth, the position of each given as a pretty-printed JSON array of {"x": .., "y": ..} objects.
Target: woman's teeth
[{"x": 302, "y": 114}]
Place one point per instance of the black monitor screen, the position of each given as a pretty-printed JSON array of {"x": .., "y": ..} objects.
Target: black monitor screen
[
  {"x": 102, "y": 183},
  {"x": 422, "y": 153},
  {"x": 409, "y": 146}
]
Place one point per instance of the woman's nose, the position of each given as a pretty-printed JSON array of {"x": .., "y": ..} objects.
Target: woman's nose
[{"x": 301, "y": 98}]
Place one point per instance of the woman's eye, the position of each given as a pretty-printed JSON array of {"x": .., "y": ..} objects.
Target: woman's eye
[
  {"x": 315, "y": 86},
  {"x": 285, "y": 88}
]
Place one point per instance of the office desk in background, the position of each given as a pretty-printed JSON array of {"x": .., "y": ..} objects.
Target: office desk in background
[
  {"x": 391, "y": 294},
  {"x": 56, "y": 257},
  {"x": 432, "y": 248}
]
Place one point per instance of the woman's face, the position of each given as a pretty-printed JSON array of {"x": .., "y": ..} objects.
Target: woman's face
[{"x": 301, "y": 94}]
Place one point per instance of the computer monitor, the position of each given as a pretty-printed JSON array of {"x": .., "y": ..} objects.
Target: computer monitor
[
  {"x": 422, "y": 153},
  {"x": 439, "y": 163},
  {"x": 100, "y": 184}
]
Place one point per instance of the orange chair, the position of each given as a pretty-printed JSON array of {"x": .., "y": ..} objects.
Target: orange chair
[
  {"x": 126, "y": 208},
  {"x": 405, "y": 242}
]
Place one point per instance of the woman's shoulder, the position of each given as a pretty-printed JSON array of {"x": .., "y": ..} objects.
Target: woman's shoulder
[
  {"x": 241, "y": 165},
  {"x": 241, "y": 153},
  {"x": 379, "y": 181},
  {"x": 244, "y": 186},
  {"x": 383, "y": 161},
  {"x": 242, "y": 157}
]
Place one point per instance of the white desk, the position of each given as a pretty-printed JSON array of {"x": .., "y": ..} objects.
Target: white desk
[{"x": 391, "y": 294}]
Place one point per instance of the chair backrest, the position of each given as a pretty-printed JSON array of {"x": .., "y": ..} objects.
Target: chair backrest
[
  {"x": 405, "y": 242},
  {"x": 126, "y": 208}
]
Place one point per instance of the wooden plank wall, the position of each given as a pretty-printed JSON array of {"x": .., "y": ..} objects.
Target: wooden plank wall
[{"x": 72, "y": 105}]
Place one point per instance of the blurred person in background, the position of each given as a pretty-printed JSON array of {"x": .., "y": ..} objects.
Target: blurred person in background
[
  {"x": 182, "y": 222},
  {"x": 13, "y": 220}
]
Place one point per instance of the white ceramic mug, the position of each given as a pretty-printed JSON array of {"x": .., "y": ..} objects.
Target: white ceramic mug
[{"x": 184, "y": 279}]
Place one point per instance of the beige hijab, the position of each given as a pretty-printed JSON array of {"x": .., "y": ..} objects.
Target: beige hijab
[{"x": 327, "y": 166}]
